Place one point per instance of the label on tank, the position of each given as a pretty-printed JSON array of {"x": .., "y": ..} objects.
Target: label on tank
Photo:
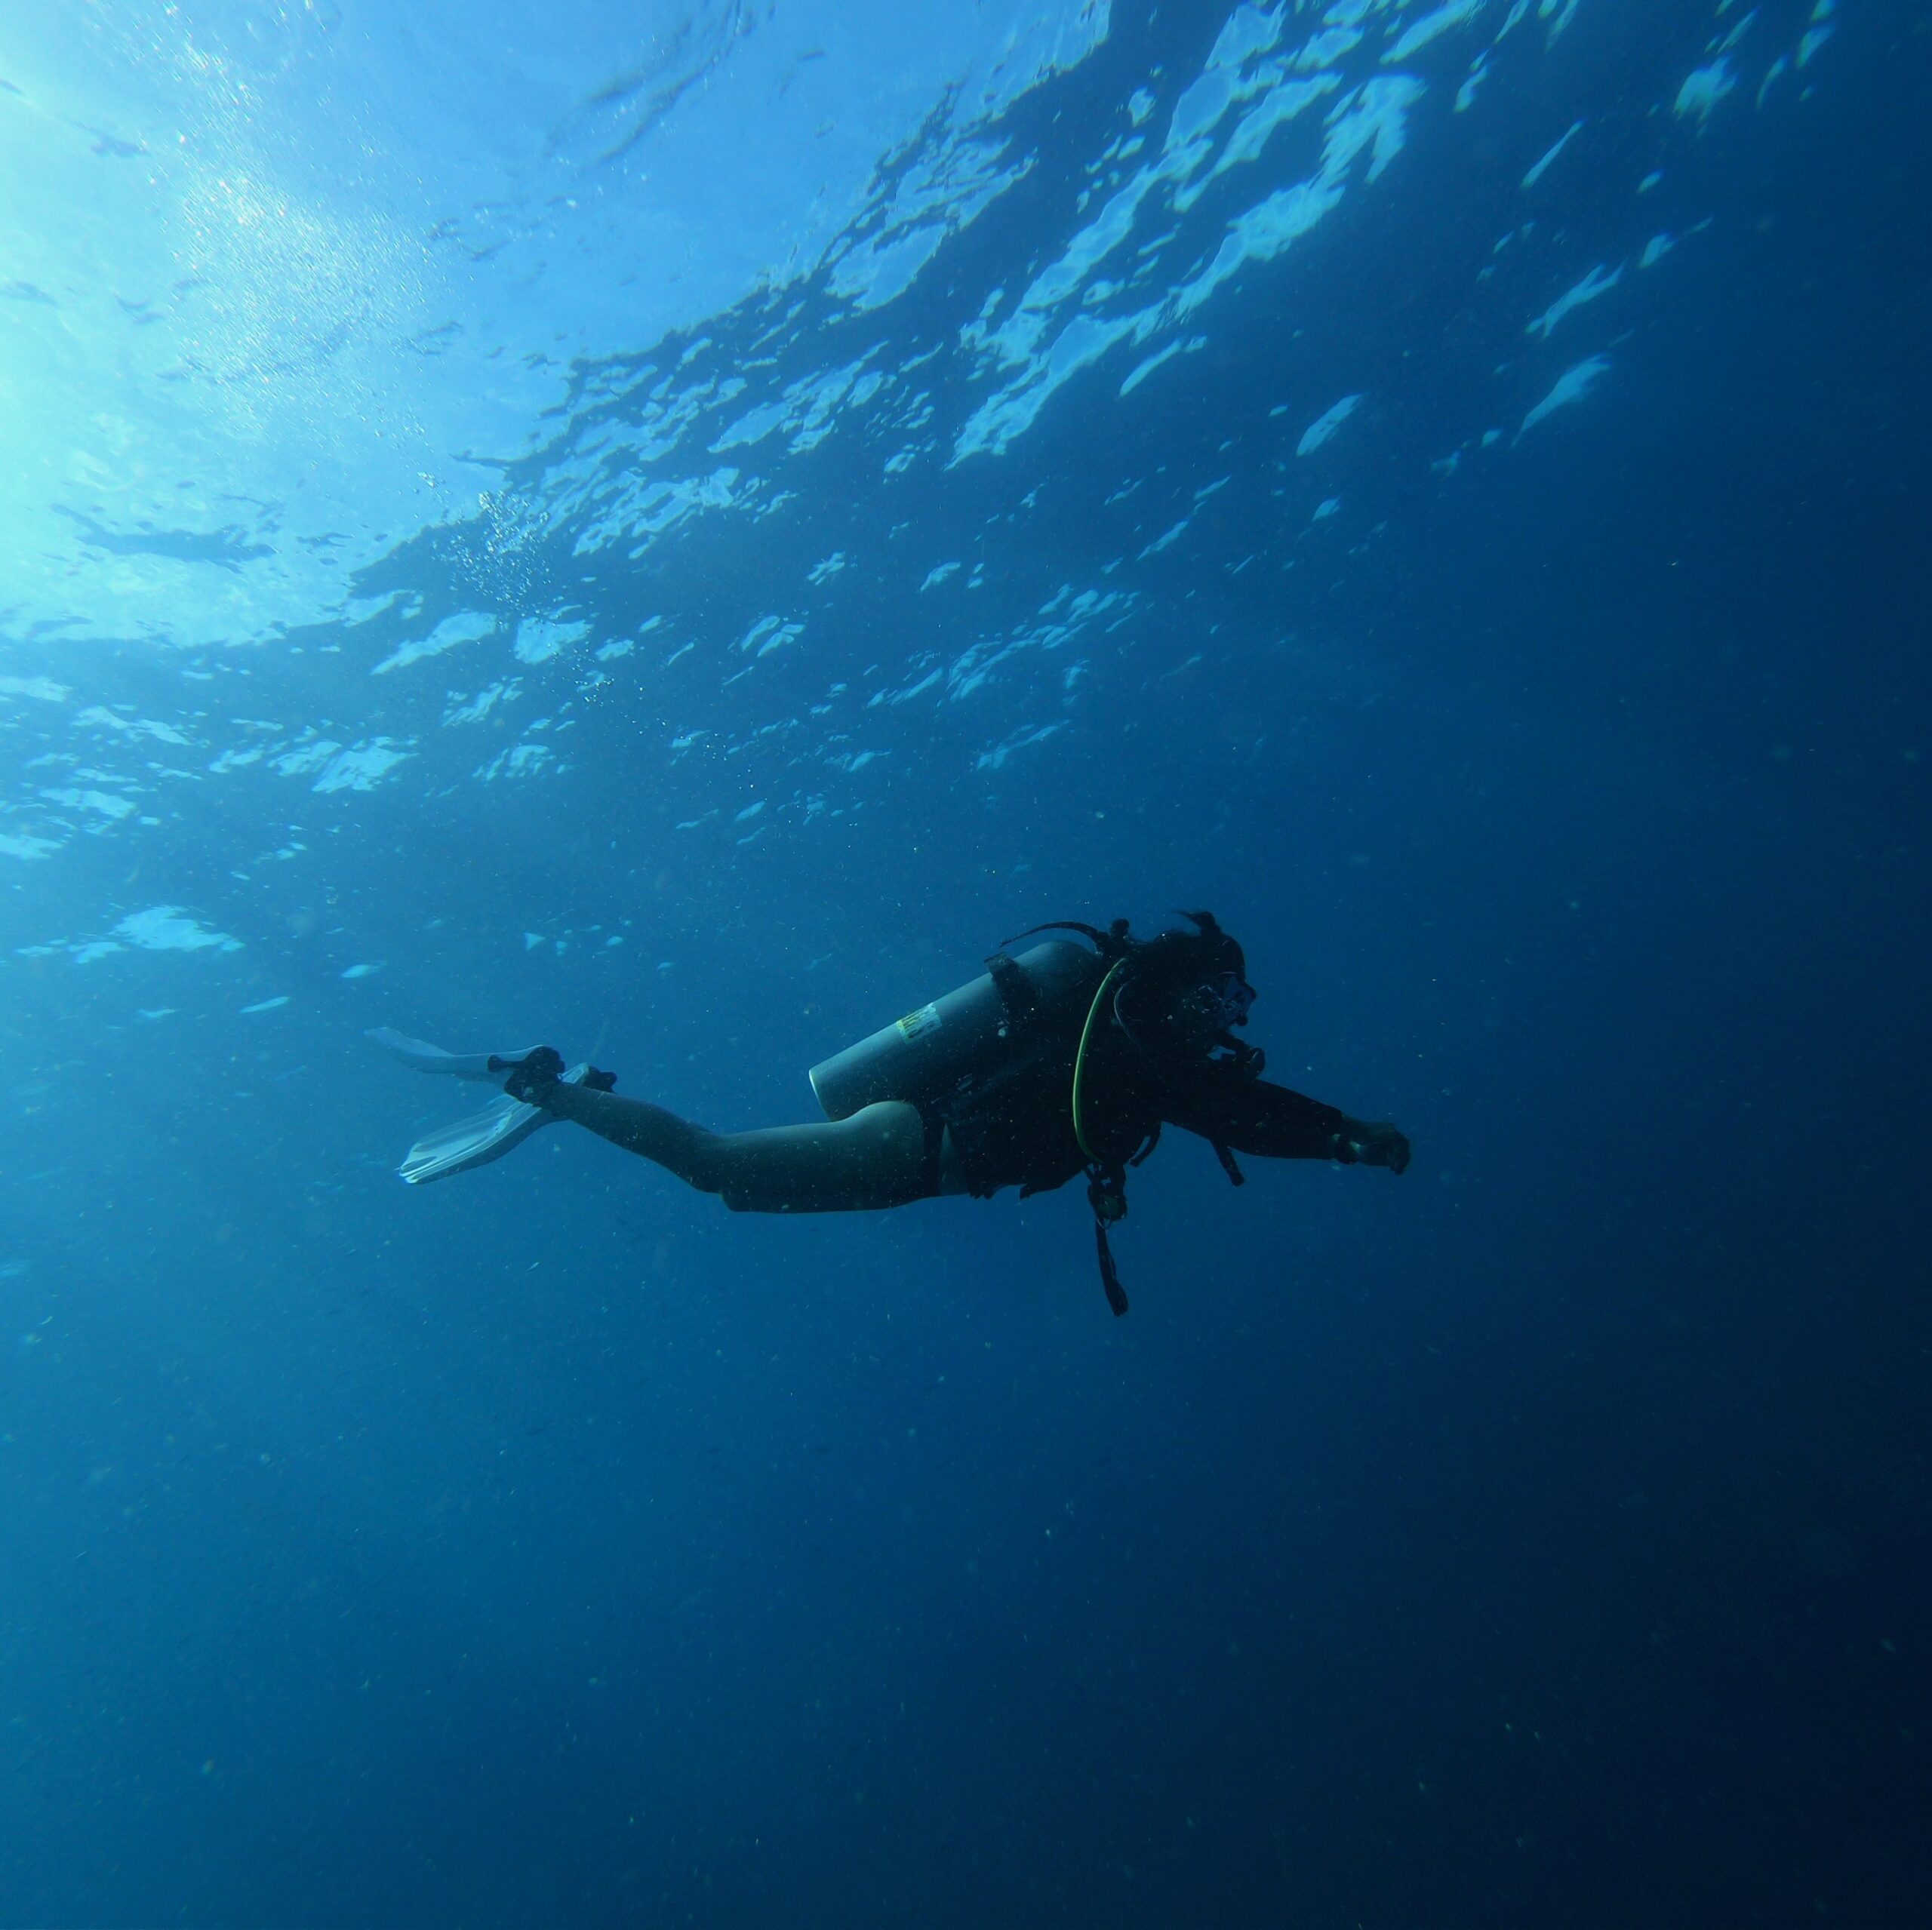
[{"x": 916, "y": 1024}]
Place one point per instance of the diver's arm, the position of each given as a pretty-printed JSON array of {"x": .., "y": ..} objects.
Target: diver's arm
[{"x": 1251, "y": 1116}]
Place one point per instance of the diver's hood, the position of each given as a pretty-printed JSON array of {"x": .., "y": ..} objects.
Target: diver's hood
[
  {"x": 1172, "y": 957},
  {"x": 1156, "y": 974}
]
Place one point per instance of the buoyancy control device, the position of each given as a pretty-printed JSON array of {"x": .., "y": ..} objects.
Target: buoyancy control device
[{"x": 927, "y": 1057}]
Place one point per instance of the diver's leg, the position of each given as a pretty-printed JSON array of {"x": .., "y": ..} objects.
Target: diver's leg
[
  {"x": 880, "y": 1157},
  {"x": 638, "y": 1126}
]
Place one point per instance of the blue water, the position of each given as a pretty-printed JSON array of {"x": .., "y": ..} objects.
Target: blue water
[{"x": 672, "y": 531}]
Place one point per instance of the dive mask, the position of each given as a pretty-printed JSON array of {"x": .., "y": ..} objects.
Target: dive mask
[{"x": 1221, "y": 1002}]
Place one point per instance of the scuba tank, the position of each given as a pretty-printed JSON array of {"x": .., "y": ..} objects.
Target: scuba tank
[{"x": 922, "y": 1057}]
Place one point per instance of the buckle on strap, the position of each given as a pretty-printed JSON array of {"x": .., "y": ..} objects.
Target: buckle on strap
[{"x": 1106, "y": 1193}]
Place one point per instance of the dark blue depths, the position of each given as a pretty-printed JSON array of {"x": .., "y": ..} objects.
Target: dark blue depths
[{"x": 1540, "y": 1538}]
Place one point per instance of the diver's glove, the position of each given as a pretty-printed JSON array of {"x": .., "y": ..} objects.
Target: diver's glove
[
  {"x": 531, "y": 1077},
  {"x": 1362, "y": 1143}
]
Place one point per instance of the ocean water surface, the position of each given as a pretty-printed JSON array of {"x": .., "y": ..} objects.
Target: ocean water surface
[{"x": 673, "y": 529}]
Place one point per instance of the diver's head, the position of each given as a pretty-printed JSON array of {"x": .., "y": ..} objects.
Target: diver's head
[
  {"x": 1190, "y": 988},
  {"x": 1211, "y": 1006}
]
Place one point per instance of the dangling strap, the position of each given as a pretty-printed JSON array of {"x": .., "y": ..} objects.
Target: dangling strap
[
  {"x": 1109, "y": 1278},
  {"x": 1235, "y": 1176},
  {"x": 1106, "y": 1193}
]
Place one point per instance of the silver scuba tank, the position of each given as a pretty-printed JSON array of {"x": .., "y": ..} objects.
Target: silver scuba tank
[{"x": 923, "y": 1056}]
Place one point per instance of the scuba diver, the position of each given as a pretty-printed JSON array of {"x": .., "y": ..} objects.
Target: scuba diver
[{"x": 1065, "y": 1060}]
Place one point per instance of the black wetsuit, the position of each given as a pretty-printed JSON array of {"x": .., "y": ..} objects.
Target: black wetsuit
[
  {"x": 1010, "y": 1125},
  {"x": 1015, "y": 1127}
]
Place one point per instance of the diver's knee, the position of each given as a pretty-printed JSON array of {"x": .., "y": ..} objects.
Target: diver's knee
[{"x": 892, "y": 1126}]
